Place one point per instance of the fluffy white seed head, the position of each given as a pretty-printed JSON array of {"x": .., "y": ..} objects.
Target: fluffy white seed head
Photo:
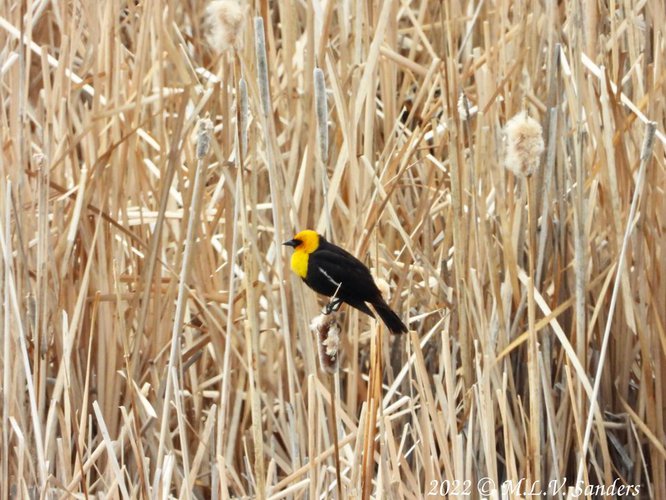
[
  {"x": 327, "y": 329},
  {"x": 465, "y": 108},
  {"x": 224, "y": 23},
  {"x": 524, "y": 144}
]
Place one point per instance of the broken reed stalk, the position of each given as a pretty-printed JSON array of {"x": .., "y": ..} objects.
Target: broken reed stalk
[
  {"x": 374, "y": 399},
  {"x": 547, "y": 178},
  {"x": 148, "y": 275},
  {"x": 205, "y": 127},
  {"x": 226, "y": 360},
  {"x": 533, "y": 348},
  {"x": 12, "y": 305},
  {"x": 547, "y": 172},
  {"x": 458, "y": 257},
  {"x": 251, "y": 333},
  {"x": 108, "y": 444},
  {"x": 240, "y": 144},
  {"x": 646, "y": 154},
  {"x": 276, "y": 208},
  {"x": 6, "y": 356},
  {"x": 335, "y": 402},
  {"x": 575, "y": 133},
  {"x": 39, "y": 322}
]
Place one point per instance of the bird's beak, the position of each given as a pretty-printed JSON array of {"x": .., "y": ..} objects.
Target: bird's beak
[{"x": 292, "y": 243}]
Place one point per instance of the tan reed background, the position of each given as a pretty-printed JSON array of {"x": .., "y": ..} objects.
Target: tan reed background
[{"x": 155, "y": 342}]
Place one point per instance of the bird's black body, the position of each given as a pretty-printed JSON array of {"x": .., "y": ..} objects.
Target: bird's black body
[{"x": 334, "y": 271}]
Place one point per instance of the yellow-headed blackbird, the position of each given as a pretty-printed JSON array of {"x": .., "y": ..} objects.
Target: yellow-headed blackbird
[{"x": 332, "y": 271}]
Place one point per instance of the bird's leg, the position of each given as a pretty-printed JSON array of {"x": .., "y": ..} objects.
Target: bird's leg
[
  {"x": 335, "y": 302},
  {"x": 332, "y": 306}
]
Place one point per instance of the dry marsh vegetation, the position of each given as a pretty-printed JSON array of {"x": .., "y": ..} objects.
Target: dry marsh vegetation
[{"x": 155, "y": 343}]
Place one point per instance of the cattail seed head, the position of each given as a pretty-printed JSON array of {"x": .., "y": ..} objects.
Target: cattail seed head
[
  {"x": 205, "y": 128},
  {"x": 31, "y": 311},
  {"x": 262, "y": 65},
  {"x": 465, "y": 108},
  {"x": 327, "y": 328},
  {"x": 322, "y": 112},
  {"x": 224, "y": 23},
  {"x": 648, "y": 142},
  {"x": 524, "y": 144}
]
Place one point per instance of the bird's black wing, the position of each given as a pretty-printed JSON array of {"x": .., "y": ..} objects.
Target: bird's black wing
[{"x": 339, "y": 267}]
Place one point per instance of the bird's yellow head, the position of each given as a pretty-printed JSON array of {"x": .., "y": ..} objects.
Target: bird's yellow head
[
  {"x": 306, "y": 241},
  {"x": 304, "y": 244}
]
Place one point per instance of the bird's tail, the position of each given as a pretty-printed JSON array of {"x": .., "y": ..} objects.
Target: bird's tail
[{"x": 390, "y": 319}]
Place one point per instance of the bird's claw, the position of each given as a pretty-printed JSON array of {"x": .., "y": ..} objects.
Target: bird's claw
[{"x": 332, "y": 306}]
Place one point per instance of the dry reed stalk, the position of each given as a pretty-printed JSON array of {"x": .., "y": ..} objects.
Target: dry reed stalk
[
  {"x": 205, "y": 127},
  {"x": 226, "y": 361},
  {"x": 645, "y": 156},
  {"x": 373, "y": 404},
  {"x": 150, "y": 276},
  {"x": 321, "y": 106},
  {"x": 110, "y": 450},
  {"x": 533, "y": 347},
  {"x": 6, "y": 346},
  {"x": 12, "y": 307},
  {"x": 524, "y": 148},
  {"x": 575, "y": 127}
]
